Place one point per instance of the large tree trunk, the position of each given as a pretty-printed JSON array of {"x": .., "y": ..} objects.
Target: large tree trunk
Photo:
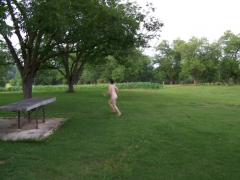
[
  {"x": 195, "y": 81},
  {"x": 228, "y": 79},
  {"x": 171, "y": 80},
  {"x": 27, "y": 87},
  {"x": 70, "y": 85}
]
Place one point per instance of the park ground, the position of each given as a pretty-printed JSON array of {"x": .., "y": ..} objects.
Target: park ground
[{"x": 176, "y": 132}]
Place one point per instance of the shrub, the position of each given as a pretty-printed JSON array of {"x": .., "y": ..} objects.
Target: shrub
[
  {"x": 132, "y": 85},
  {"x": 12, "y": 82}
]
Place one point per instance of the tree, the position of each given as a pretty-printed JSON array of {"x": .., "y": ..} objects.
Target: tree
[
  {"x": 3, "y": 75},
  {"x": 90, "y": 75},
  {"x": 39, "y": 27},
  {"x": 147, "y": 70},
  {"x": 168, "y": 59},
  {"x": 94, "y": 73},
  {"x": 7, "y": 72},
  {"x": 236, "y": 70},
  {"x": 107, "y": 28},
  {"x": 212, "y": 57},
  {"x": 229, "y": 64},
  {"x": 48, "y": 77},
  {"x": 194, "y": 58},
  {"x": 137, "y": 67}
]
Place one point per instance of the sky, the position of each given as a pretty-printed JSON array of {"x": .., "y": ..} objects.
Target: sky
[{"x": 200, "y": 18}]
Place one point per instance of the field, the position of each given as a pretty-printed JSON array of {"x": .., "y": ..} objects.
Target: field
[{"x": 176, "y": 132}]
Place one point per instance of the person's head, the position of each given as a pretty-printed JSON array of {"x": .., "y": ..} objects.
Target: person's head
[{"x": 111, "y": 81}]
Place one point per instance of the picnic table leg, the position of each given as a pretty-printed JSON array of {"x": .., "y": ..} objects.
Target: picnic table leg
[
  {"x": 28, "y": 116},
  {"x": 36, "y": 114},
  {"x": 19, "y": 127},
  {"x": 43, "y": 114}
]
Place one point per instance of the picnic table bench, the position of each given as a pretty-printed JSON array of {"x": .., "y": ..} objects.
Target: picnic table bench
[{"x": 29, "y": 106}]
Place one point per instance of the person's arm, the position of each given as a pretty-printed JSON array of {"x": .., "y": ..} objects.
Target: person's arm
[{"x": 116, "y": 89}]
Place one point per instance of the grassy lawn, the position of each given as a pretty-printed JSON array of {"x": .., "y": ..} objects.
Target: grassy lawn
[{"x": 178, "y": 132}]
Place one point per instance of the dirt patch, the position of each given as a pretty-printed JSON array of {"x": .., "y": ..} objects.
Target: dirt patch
[{"x": 3, "y": 162}]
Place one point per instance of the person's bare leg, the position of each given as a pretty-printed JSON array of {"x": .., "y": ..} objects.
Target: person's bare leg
[
  {"x": 111, "y": 105},
  {"x": 115, "y": 107}
]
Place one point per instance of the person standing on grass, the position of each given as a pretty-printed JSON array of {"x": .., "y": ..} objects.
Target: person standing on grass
[{"x": 113, "y": 90}]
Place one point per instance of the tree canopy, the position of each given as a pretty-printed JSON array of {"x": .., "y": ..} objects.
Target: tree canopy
[
  {"x": 91, "y": 29},
  {"x": 110, "y": 29},
  {"x": 200, "y": 60}
]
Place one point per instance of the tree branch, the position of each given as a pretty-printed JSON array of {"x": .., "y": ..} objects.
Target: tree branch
[
  {"x": 15, "y": 23},
  {"x": 20, "y": 9},
  {"x": 13, "y": 53},
  {"x": 37, "y": 46}
]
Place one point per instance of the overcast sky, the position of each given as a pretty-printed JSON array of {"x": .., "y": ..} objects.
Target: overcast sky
[{"x": 199, "y": 18}]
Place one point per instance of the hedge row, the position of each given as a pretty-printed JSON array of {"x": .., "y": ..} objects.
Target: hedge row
[{"x": 133, "y": 85}]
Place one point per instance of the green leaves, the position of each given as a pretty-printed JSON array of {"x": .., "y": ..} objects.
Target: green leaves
[
  {"x": 5, "y": 29},
  {"x": 229, "y": 64},
  {"x": 194, "y": 58},
  {"x": 5, "y": 56},
  {"x": 168, "y": 60},
  {"x": 93, "y": 29}
]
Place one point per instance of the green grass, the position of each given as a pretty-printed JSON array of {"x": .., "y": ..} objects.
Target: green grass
[{"x": 177, "y": 132}]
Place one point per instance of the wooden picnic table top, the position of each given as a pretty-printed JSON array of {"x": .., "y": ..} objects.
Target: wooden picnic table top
[{"x": 28, "y": 104}]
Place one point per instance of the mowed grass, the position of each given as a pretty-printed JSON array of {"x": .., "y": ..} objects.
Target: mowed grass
[{"x": 178, "y": 132}]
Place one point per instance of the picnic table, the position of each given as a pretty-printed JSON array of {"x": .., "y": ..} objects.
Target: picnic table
[{"x": 30, "y": 108}]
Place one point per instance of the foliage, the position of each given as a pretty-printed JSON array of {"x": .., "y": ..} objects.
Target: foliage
[
  {"x": 48, "y": 77},
  {"x": 212, "y": 55},
  {"x": 7, "y": 72},
  {"x": 6, "y": 67},
  {"x": 106, "y": 29},
  {"x": 193, "y": 60},
  {"x": 197, "y": 59},
  {"x": 168, "y": 59},
  {"x": 229, "y": 64},
  {"x": 5, "y": 55},
  {"x": 41, "y": 27},
  {"x": 5, "y": 29},
  {"x": 139, "y": 85},
  {"x": 12, "y": 82},
  {"x": 136, "y": 67},
  {"x": 133, "y": 85},
  {"x": 2, "y": 83}
]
